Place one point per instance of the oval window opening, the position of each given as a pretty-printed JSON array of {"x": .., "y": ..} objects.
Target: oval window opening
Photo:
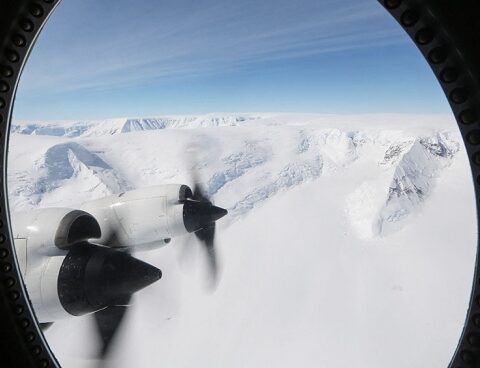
[{"x": 229, "y": 184}]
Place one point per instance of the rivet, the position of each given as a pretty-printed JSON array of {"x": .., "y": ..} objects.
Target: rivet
[
  {"x": 6, "y": 71},
  {"x": 437, "y": 55},
  {"x": 44, "y": 362},
  {"x": 424, "y": 36},
  {"x": 476, "y": 317},
  {"x": 19, "y": 40},
  {"x": 459, "y": 95},
  {"x": 3, "y": 253},
  {"x": 474, "y": 137},
  {"x": 449, "y": 75},
  {"x": 392, "y": 4},
  {"x": 468, "y": 116},
  {"x": 25, "y": 323},
  {"x": 409, "y": 18},
  {"x": 476, "y": 160},
  {"x": 18, "y": 309},
  {"x": 2, "y": 103},
  {"x": 36, "y": 350},
  {"x": 473, "y": 339},
  {"x": 4, "y": 87},
  {"x": 9, "y": 282},
  {"x": 6, "y": 267},
  {"x": 30, "y": 336},
  {"x": 12, "y": 56},
  {"x": 36, "y": 10},
  {"x": 467, "y": 356},
  {"x": 14, "y": 295},
  {"x": 26, "y": 25},
  {"x": 2, "y": 238}
]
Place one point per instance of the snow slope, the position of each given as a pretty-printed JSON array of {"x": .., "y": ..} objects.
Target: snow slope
[
  {"x": 126, "y": 125},
  {"x": 344, "y": 235}
]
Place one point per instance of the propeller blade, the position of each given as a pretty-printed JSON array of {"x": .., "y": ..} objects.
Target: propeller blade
[
  {"x": 112, "y": 278},
  {"x": 199, "y": 193},
  {"x": 199, "y": 217},
  {"x": 113, "y": 240},
  {"x": 107, "y": 322},
  {"x": 207, "y": 238}
]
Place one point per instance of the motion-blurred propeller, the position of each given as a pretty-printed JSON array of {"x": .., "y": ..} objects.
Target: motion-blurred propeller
[
  {"x": 124, "y": 275},
  {"x": 200, "y": 215}
]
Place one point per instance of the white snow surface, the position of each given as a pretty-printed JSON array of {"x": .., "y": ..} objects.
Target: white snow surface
[{"x": 350, "y": 239}]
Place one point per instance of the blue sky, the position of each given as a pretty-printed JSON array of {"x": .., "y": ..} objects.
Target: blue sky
[{"x": 100, "y": 59}]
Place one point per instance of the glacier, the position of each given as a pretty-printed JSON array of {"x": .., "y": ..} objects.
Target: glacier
[{"x": 410, "y": 164}]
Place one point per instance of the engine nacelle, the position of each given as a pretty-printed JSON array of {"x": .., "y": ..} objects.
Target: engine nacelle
[
  {"x": 42, "y": 239},
  {"x": 64, "y": 274},
  {"x": 142, "y": 218},
  {"x": 42, "y": 286},
  {"x": 48, "y": 230}
]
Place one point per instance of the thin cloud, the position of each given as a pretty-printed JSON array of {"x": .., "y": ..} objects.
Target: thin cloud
[{"x": 165, "y": 40}]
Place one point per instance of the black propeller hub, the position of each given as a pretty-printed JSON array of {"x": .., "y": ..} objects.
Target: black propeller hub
[{"x": 199, "y": 214}]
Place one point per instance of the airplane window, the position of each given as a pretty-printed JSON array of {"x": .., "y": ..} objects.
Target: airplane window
[{"x": 239, "y": 184}]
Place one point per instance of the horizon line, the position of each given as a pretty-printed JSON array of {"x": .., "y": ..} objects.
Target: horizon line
[{"x": 227, "y": 113}]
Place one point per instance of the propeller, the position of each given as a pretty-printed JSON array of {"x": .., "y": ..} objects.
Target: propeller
[
  {"x": 101, "y": 280},
  {"x": 107, "y": 323},
  {"x": 200, "y": 215},
  {"x": 124, "y": 275},
  {"x": 206, "y": 235}
]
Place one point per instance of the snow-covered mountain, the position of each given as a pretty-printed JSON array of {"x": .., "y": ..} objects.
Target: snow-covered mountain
[
  {"x": 262, "y": 158},
  {"x": 126, "y": 125},
  {"x": 339, "y": 230}
]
